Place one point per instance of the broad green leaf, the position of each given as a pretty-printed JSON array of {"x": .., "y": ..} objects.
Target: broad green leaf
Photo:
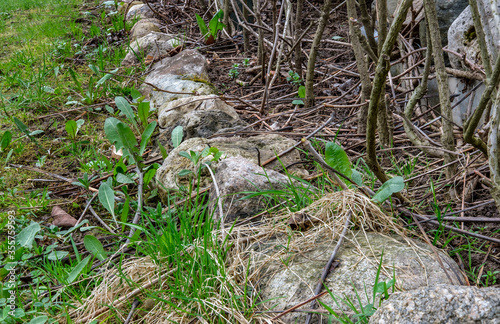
[
  {"x": 356, "y": 177},
  {"x": 302, "y": 92},
  {"x": 103, "y": 79},
  {"x": 163, "y": 152},
  {"x": 5, "y": 141},
  {"x": 185, "y": 154},
  {"x": 71, "y": 128},
  {"x": 215, "y": 23},
  {"x": 77, "y": 270},
  {"x": 94, "y": 68},
  {"x": 336, "y": 157},
  {"x": 184, "y": 172},
  {"x": 57, "y": 255},
  {"x": 149, "y": 175},
  {"x": 201, "y": 24},
  {"x": 127, "y": 137},
  {"x": 146, "y": 135},
  {"x": 126, "y": 109},
  {"x": 122, "y": 178},
  {"x": 143, "y": 112},
  {"x": 26, "y": 237},
  {"x": 36, "y": 132},
  {"x": 177, "y": 135},
  {"x": 22, "y": 127},
  {"x": 297, "y": 102},
  {"x": 39, "y": 320},
  {"x": 135, "y": 94},
  {"x": 94, "y": 246},
  {"x": 107, "y": 198},
  {"x": 389, "y": 187}
]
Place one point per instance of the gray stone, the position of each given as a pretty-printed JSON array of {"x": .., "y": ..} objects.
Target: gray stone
[
  {"x": 463, "y": 39},
  {"x": 286, "y": 286},
  {"x": 182, "y": 75},
  {"x": 235, "y": 175},
  {"x": 144, "y": 27},
  {"x": 200, "y": 116},
  {"x": 126, "y": 5},
  {"x": 447, "y": 12},
  {"x": 140, "y": 11},
  {"x": 153, "y": 45},
  {"x": 441, "y": 304},
  {"x": 250, "y": 148},
  {"x": 461, "y": 87}
]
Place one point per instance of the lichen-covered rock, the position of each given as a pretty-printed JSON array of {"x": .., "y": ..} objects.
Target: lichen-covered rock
[
  {"x": 140, "y": 11},
  {"x": 441, "y": 304},
  {"x": 286, "y": 286},
  {"x": 182, "y": 75},
  {"x": 263, "y": 146},
  {"x": 235, "y": 175},
  {"x": 154, "y": 45},
  {"x": 143, "y": 27},
  {"x": 200, "y": 116},
  {"x": 462, "y": 37},
  {"x": 125, "y": 6}
]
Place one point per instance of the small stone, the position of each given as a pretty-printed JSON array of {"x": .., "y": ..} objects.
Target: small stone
[
  {"x": 154, "y": 45},
  {"x": 235, "y": 175},
  {"x": 144, "y": 27},
  {"x": 140, "y": 11}
]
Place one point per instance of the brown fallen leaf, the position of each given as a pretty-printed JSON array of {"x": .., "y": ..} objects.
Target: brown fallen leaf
[{"x": 62, "y": 218}]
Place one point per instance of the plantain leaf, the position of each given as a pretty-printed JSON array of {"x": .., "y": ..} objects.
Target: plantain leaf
[
  {"x": 143, "y": 112},
  {"x": 389, "y": 187},
  {"x": 177, "y": 135},
  {"x": 107, "y": 198},
  {"x": 26, "y": 237},
  {"x": 94, "y": 246},
  {"x": 71, "y": 128},
  {"x": 336, "y": 157},
  {"x": 5, "y": 141},
  {"x": 146, "y": 135},
  {"x": 77, "y": 270},
  {"x": 126, "y": 109}
]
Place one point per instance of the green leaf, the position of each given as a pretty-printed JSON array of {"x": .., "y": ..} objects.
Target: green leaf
[
  {"x": 120, "y": 135},
  {"x": 122, "y": 178},
  {"x": 103, "y": 79},
  {"x": 94, "y": 246},
  {"x": 75, "y": 78},
  {"x": 356, "y": 177},
  {"x": 163, "y": 151},
  {"x": 57, "y": 255},
  {"x": 184, "y": 172},
  {"x": 39, "y": 320},
  {"x": 302, "y": 92},
  {"x": 27, "y": 235},
  {"x": 297, "y": 102},
  {"x": 5, "y": 141},
  {"x": 71, "y": 128},
  {"x": 336, "y": 157},
  {"x": 201, "y": 24},
  {"x": 177, "y": 135},
  {"x": 143, "y": 112},
  {"x": 389, "y": 187},
  {"x": 94, "y": 68},
  {"x": 185, "y": 154},
  {"x": 149, "y": 175},
  {"x": 125, "y": 211},
  {"x": 122, "y": 104},
  {"x": 215, "y": 23},
  {"x": 146, "y": 136},
  {"x": 107, "y": 198},
  {"x": 21, "y": 126},
  {"x": 135, "y": 94},
  {"x": 77, "y": 270}
]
